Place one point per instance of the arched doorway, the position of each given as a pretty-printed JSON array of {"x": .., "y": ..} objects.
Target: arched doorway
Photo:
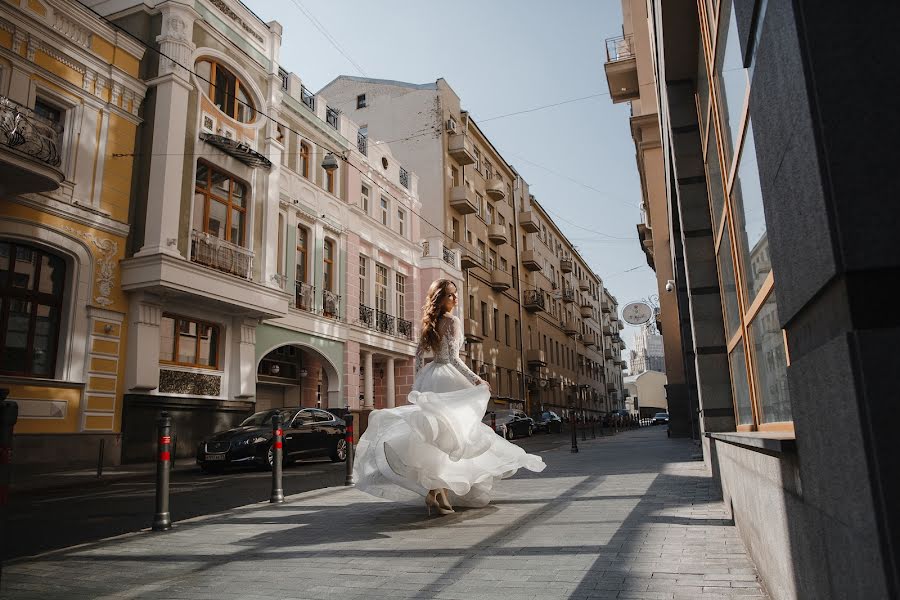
[{"x": 295, "y": 374}]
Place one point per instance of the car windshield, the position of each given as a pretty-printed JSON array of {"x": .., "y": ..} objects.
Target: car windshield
[
  {"x": 265, "y": 418},
  {"x": 662, "y": 414}
]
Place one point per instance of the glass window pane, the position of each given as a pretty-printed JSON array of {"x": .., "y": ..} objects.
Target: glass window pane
[
  {"x": 187, "y": 342},
  {"x": 237, "y": 227},
  {"x": 729, "y": 287},
  {"x": 220, "y": 185},
  {"x": 738, "y": 363},
  {"x": 714, "y": 181},
  {"x": 750, "y": 221},
  {"x": 731, "y": 79},
  {"x": 167, "y": 339},
  {"x": 770, "y": 364},
  {"x": 202, "y": 175},
  {"x": 44, "y": 346},
  {"x": 702, "y": 87},
  {"x": 218, "y": 213},
  {"x": 209, "y": 345},
  {"x": 238, "y": 193},
  {"x": 53, "y": 273},
  {"x": 15, "y": 356},
  {"x": 24, "y": 268}
]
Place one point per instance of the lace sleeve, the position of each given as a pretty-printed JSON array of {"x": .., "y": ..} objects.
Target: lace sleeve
[
  {"x": 420, "y": 358},
  {"x": 453, "y": 338}
]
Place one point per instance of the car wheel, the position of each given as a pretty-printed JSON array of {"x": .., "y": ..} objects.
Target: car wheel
[
  {"x": 530, "y": 431},
  {"x": 269, "y": 459},
  {"x": 510, "y": 434},
  {"x": 339, "y": 451}
]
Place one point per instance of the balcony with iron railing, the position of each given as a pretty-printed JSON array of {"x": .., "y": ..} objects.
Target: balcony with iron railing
[
  {"x": 331, "y": 304},
  {"x": 304, "y": 296},
  {"x": 404, "y": 177},
  {"x": 568, "y": 295},
  {"x": 331, "y": 117},
  {"x": 308, "y": 98},
  {"x": 621, "y": 68},
  {"x": 216, "y": 253},
  {"x": 362, "y": 143},
  {"x": 383, "y": 322},
  {"x": 534, "y": 300},
  {"x": 29, "y": 150}
]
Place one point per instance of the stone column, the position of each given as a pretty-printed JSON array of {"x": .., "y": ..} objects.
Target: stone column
[
  {"x": 369, "y": 383},
  {"x": 142, "y": 366},
  {"x": 243, "y": 358},
  {"x": 164, "y": 194},
  {"x": 389, "y": 397}
]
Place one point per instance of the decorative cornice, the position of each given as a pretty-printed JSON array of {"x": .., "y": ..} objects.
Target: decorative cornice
[
  {"x": 226, "y": 10},
  {"x": 64, "y": 24}
]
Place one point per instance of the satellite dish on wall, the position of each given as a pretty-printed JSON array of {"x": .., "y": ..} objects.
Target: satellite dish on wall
[{"x": 637, "y": 313}]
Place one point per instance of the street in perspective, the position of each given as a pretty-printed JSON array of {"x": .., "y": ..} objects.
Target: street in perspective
[{"x": 570, "y": 301}]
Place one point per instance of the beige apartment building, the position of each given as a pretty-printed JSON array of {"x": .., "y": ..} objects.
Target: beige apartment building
[{"x": 467, "y": 192}]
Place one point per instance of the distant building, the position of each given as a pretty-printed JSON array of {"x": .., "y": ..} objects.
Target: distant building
[
  {"x": 648, "y": 353},
  {"x": 646, "y": 393}
]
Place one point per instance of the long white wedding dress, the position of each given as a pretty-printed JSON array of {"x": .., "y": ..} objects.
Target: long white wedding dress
[{"x": 438, "y": 440}]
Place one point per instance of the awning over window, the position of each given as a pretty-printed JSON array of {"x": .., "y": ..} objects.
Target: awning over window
[{"x": 238, "y": 150}]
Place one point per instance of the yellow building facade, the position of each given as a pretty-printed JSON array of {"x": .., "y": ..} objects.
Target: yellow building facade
[{"x": 70, "y": 95}]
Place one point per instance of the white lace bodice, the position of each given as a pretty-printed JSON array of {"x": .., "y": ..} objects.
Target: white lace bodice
[{"x": 448, "y": 351}]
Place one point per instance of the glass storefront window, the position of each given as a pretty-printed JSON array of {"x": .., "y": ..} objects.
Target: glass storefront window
[
  {"x": 729, "y": 287},
  {"x": 738, "y": 363},
  {"x": 770, "y": 364},
  {"x": 746, "y": 197},
  {"x": 731, "y": 79},
  {"x": 714, "y": 180}
]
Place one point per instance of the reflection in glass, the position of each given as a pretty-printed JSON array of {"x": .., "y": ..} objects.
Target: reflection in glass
[
  {"x": 43, "y": 349},
  {"x": 167, "y": 339},
  {"x": 15, "y": 357},
  {"x": 738, "y": 364},
  {"x": 729, "y": 287},
  {"x": 731, "y": 79},
  {"x": 187, "y": 342},
  {"x": 770, "y": 364},
  {"x": 702, "y": 86},
  {"x": 209, "y": 345},
  {"x": 714, "y": 180},
  {"x": 217, "y": 216},
  {"x": 750, "y": 221}
]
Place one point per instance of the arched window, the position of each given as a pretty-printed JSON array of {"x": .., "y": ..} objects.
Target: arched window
[
  {"x": 226, "y": 90},
  {"x": 330, "y": 177},
  {"x": 220, "y": 204},
  {"x": 32, "y": 282},
  {"x": 304, "y": 159}
]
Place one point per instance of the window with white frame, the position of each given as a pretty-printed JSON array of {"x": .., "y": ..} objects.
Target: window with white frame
[
  {"x": 479, "y": 205},
  {"x": 364, "y": 199},
  {"x": 401, "y": 222},
  {"x": 381, "y": 287},
  {"x": 489, "y": 214},
  {"x": 363, "y": 278},
  {"x": 401, "y": 295},
  {"x": 385, "y": 215}
]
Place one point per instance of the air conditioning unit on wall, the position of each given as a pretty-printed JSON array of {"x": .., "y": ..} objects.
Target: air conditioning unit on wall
[{"x": 451, "y": 125}]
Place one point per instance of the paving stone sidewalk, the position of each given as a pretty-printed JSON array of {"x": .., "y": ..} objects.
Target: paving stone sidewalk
[{"x": 628, "y": 517}]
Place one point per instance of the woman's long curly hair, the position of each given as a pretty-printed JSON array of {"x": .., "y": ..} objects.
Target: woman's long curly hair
[{"x": 432, "y": 312}]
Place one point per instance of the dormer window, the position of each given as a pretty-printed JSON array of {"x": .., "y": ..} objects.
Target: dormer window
[{"x": 226, "y": 90}]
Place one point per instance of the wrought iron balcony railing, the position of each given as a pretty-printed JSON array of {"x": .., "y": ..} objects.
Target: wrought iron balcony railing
[
  {"x": 367, "y": 316},
  {"x": 331, "y": 304},
  {"x": 384, "y": 322},
  {"x": 25, "y": 131},
  {"x": 619, "y": 48},
  {"x": 404, "y": 177},
  {"x": 308, "y": 98},
  {"x": 449, "y": 257},
  {"x": 404, "y": 328},
  {"x": 210, "y": 251},
  {"x": 304, "y": 294},
  {"x": 331, "y": 116},
  {"x": 362, "y": 143},
  {"x": 535, "y": 298}
]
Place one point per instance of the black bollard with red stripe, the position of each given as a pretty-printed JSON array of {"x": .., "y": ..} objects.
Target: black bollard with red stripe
[
  {"x": 162, "y": 520},
  {"x": 277, "y": 449},
  {"x": 348, "y": 418}
]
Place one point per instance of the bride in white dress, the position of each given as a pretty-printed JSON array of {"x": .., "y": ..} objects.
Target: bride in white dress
[{"x": 437, "y": 446}]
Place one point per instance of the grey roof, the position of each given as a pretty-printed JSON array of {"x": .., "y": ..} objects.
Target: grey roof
[{"x": 412, "y": 86}]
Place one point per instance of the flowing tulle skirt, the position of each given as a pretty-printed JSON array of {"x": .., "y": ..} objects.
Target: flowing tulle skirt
[{"x": 437, "y": 441}]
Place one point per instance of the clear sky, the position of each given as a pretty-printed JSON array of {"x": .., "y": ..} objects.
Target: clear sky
[{"x": 503, "y": 56}]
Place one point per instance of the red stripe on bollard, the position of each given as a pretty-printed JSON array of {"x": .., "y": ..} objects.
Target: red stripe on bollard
[
  {"x": 279, "y": 432},
  {"x": 278, "y": 445},
  {"x": 164, "y": 456},
  {"x": 165, "y": 439}
]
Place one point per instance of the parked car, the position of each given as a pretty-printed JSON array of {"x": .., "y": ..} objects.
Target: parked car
[
  {"x": 661, "y": 418},
  {"x": 548, "y": 422},
  {"x": 307, "y": 432},
  {"x": 511, "y": 423}
]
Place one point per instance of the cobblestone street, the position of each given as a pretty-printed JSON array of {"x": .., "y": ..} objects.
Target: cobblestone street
[{"x": 631, "y": 516}]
